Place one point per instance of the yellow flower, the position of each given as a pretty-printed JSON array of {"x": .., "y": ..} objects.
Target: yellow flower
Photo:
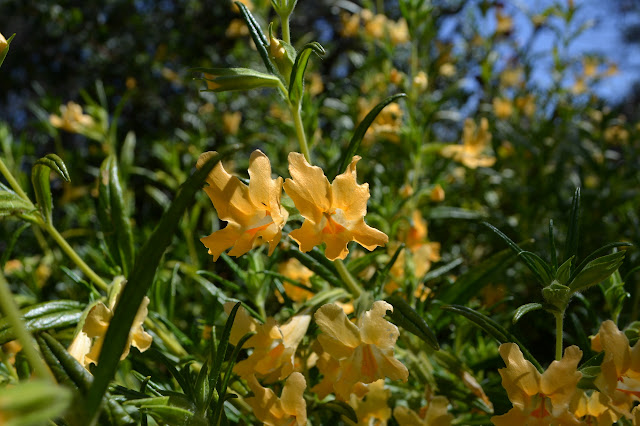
[
  {"x": 274, "y": 346},
  {"x": 398, "y": 31},
  {"x": 296, "y": 271},
  {"x": 504, "y": 23},
  {"x": 420, "y": 81},
  {"x": 87, "y": 344},
  {"x": 375, "y": 27},
  {"x": 538, "y": 399},
  {"x": 237, "y": 28},
  {"x": 253, "y": 212},
  {"x": 290, "y": 409},
  {"x": 437, "y": 193},
  {"x": 387, "y": 124},
  {"x": 594, "y": 409},
  {"x": 350, "y": 25},
  {"x": 447, "y": 69},
  {"x": 619, "y": 376},
  {"x": 364, "y": 351},
  {"x": 374, "y": 408},
  {"x": 334, "y": 213},
  {"x": 231, "y": 122},
  {"x": 502, "y": 108},
  {"x": 511, "y": 77},
  {"x": 527, "y": 104},
  {"x": 474, "y": 142},
  {"x": 71, "y": 118},
  {"x": 434, "y": 414}
]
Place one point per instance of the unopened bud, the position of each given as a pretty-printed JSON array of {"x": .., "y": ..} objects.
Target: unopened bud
[{"x": 3, "y": 43}]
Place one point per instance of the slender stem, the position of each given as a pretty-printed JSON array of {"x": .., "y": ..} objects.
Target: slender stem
[
  {"x": 12, "y": 314},
  {"x": 286, "y": 35},
  {"x": 302, "y": 139},
  {"x": 559, "y": 330},
  {"x": 64, "y": 245},
  {"x": 348, "y": 279},
  {"x": 13, "y": 182}
]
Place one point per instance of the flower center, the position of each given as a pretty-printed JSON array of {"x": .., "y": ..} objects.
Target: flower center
[
  {"x": 332, "y": 226},
  {"x": 262, "y": 224},
  {"x": 541, "y": 412}
]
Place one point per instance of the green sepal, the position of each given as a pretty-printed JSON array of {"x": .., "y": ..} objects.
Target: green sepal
[
  {"x": 341, "y": 408},
  {"x": 492, "y": 328},
  {"x": 596, "y": 271},
  {"x": 590, "y": 369},
  {"x": 226, "y": 79},
  {"x": 525, "y": 309},
  {"x": 113, "y": 217},
  {"x": 260, "y": 40},
  {"x": 405, "y": 316},
  {"x": 296, "y": 79},
  {"x": 285, "y": 58},
  {"x": 40, "y": 180},
  {"x": 557, "y": 296},
  {"x": 359, "y": 133},
  {"x": 3, "y": 54}
]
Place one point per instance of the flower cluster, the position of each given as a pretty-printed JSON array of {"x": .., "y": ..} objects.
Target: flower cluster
[{"x": 334, "y": 213}]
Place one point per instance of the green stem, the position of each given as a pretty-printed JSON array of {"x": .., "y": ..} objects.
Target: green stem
[
  {"x": 64, "y": 245},
  {"x": 286, "y": 35},
  {"x": 302, "y": 139},
  {"x": 559, "y": 330},
  {"x": 12, "y": 314},
  {"x": 13, "y": 182},
  {"x": 348, "y": 279}
]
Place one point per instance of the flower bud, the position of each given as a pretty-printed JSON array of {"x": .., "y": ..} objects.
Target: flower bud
[{"x": 3, "y": 43}]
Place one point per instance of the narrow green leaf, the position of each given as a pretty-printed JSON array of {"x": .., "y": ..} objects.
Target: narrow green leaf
[
  {"x": 45, "y": 308},
  {"x": 442, "y": 270},
  {"x": 113, "y": 217},
  {"x": 380, "y": 276},
  {"x": 226, "y": 79},
  {"x": 552, "y": 246},
  {"x": 221, "y": 349},
  {"x": 63, "y": 363},
  {"x": 447, "y": 212},
  {"x": 358, "y": 135},
  {"x": 330, "y": 276},
  {"x": 564, "y": 272},
  {"x": 260, "y": 40},
  {"x": 140, "y": 280},
  {"x": 49, "y": 321},
  {"x": 40, "y": 180},
  {"x": 15, "y": 236},
  {"x": 596, "y": 271},
  {"x": 571, "y": 244},
  {"x": 492, "y": 328},
  {"x": 296, "y": 81},
  {"x": 406, "y": 317},
  {"x": 13, "y": 204},
  {"x": 596, "y": 253},
  {"x": 471, "y": 282},
  {"x": 525, "y": 309},
  {"x": 532, "y": 263}
]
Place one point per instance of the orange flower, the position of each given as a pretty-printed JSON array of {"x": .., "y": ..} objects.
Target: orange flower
[
  {"x": 594, "y": 409},
  {"x": 619, "y": 376},
  {"x": 434, "y": 414},
  {"x": 274, "y": 346},
  {"x": 253, "y": 212},
  {"x": 364, "y": 351},
  {"x": 71, "y": 118},
  {"x": 538, "y": 399},
  {"x": 296, "y": 271},
  {"x": 87, "y": 344},
  {"x": 374, "y": 408},
  {"x": 334, "y": 213},
  {"x": 290, "y": 409},
  {"x": 474, "y": 142}
]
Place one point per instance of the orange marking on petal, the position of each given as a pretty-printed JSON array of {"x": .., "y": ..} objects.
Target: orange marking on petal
[
  {"x": 541, "y": 412},
  {"x": 254, "y": 231},
  {"x": 332, "y": 227},
  {"x": 630, "y": 392},
  {"x": 369, "y": 363}
]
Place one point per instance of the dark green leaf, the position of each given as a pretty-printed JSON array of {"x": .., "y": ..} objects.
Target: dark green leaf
[
  {"x": 595, "y": 254},
  {"x": 40, "y": 180},
  {"x": 140, "y": 280},
  {"x": 260, "y": 40},
  {"x": 406, "y": 317},
  {"x": 564, "y": 271},
  {"x": 341, "y": 408},
  {"x": 358, "y": 135},
  {"x": 226, "y": 79},
  {"x": 113, "y": 216},
  {"x": 525, "y": 309},
  {"x": 296, "y": 81},
  {"x": 442, "y": 270},
  {"x": 60, "y": 319},
  {"x": 596, "y": 271},
  {"x": 446, "y": 212},
  {"x": 492, "y": 328},
  {"x": 571, "y": 244}
]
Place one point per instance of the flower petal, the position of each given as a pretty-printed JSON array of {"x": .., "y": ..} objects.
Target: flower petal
[
  {"x": 374, "y": 329},
  {"x": 520, "y": 378},
  {"x": 309, "y": 188},
  {"x": 307, "y": 236},
  {"x": 347, "y": 195},
  {"x": 368, "y": 237},
  {"x": 340, "y": 336},
  {"x": 560, "y": 381},
  {"x": 292, "y": 401},
  {"x": 221, "y": 240}
]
